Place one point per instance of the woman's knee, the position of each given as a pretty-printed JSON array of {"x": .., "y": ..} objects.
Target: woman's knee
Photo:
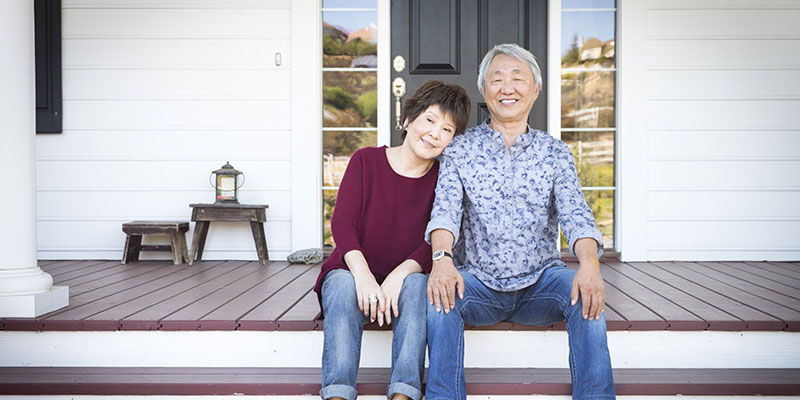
[{"x": 339, "y": 291}]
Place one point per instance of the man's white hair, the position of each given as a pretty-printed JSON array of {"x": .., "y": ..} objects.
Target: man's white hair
[{"x": 514, "y": 51}]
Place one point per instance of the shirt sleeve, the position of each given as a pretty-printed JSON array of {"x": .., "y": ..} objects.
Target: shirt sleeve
[
  {"x": 422, "y": 255},
  {"x": 347, "y": 213},
  {"x": 574, "y": 215},
  {"x": 448, "y": 202}
]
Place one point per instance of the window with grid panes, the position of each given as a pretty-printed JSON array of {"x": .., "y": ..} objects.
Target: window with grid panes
[
  {"x": 349, "y": 91},
  {"x": 588, "y": 106}
]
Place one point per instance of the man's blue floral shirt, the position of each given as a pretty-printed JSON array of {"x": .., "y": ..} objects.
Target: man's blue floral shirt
[{"x": 503, "y": 206}]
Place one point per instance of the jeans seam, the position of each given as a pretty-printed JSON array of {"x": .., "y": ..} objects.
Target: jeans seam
[{"x": 459, "y": 375}]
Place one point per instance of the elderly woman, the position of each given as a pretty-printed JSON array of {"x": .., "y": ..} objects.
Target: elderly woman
[
  {"x": 503, "y": 190},
  {"x": 377, "y": 271}
]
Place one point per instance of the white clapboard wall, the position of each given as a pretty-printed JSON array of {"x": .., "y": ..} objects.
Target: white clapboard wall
[
  {"x": 157, "y": 94},
  {"x": 719, "y": 129}
]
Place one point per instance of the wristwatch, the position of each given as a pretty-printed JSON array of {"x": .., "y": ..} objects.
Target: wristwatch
[{"x": 440, "y": 254}]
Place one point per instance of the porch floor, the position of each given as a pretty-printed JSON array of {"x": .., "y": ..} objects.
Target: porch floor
[{"x": 241, "y": 295}]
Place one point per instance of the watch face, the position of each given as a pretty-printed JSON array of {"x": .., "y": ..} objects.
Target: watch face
[{"x": 438, "y": 254}]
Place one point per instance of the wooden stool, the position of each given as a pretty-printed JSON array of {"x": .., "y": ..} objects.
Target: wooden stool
[{"x": 135, "y": 230}]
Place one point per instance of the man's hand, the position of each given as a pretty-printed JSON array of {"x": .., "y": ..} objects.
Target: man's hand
[
  {"x": 443, "y": 283},
  {"x": 588, "y": 282}
]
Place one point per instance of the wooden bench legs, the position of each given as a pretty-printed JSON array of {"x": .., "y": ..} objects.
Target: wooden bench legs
[
  {"x": 201, "y": 233},
  {"x": 261, "y": 241},
  {"x": 134, "y": 246},
  {"x": 198, "y": 241},
  {"x": 133, "y": 241}
]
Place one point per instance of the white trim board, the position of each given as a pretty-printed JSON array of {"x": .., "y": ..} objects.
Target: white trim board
[
  {"x": 309, "y": 397},
  {"x": 499, "y": 349},
  {"x": 306, "y": 122}
]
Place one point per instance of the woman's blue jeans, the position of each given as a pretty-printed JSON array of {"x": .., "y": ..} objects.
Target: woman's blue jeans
[
  {"x": 542, "y": 303},
  {"x": 344, "y": 324}
]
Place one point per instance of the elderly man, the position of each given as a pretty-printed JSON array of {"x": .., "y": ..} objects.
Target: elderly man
[{"x": 503, "y": 189}]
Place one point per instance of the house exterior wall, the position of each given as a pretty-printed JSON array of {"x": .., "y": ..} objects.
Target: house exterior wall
[
  {"x": 157, "y": 94},
  {"x": 719, "y": 134}
]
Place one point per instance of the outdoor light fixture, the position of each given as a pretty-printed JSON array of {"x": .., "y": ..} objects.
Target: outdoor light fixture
[{"x": 226, "y": 184}]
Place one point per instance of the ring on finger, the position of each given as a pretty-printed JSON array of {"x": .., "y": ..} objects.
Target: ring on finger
[{"x": 373, "y": 298}]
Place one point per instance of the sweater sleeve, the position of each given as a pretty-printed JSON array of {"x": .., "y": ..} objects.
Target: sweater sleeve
[
  {"x": 422, "y": 255},
  {"x": 347, "y": 213}
]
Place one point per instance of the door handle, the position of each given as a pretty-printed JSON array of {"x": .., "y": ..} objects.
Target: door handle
[{"x": 399, "y": 90}]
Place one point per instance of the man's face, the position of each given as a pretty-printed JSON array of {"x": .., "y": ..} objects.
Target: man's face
[{"x": 509, "y": 90}]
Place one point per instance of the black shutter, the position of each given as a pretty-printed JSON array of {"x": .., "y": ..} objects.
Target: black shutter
[{"x": 47, "y": 22}]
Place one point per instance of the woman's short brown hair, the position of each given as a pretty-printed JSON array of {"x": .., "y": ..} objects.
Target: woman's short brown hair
[{"x": 451, "y": 99}]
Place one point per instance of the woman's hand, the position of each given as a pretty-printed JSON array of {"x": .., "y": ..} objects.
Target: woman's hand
[
  {"x": 367, "y": 286},
  {"x": 393, "y": 284}
]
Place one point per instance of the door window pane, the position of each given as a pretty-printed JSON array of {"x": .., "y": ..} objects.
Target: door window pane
[
  {"x": 337, "y": 147},
  {"x": 587, "y": 99},
  {"x": 349, "y": 3},
  {"x": 350, "y": 39},
  {"x": 350, "y": 99},
  {"x": 594, "y": 156},
  {"x": 601, "y": 202},
  {"x": 587, "y": 39},
  {"x": 567, "y": 4}
]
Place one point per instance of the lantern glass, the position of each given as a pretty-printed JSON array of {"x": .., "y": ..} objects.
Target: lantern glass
[{"x": 226, "y": 188}]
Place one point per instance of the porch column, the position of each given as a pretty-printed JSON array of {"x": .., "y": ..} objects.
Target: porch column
[{"x": 25, "y": 290}]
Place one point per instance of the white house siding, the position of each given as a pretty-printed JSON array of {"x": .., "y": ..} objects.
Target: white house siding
[
  {"x": 722, "y": 131},
  {"x": 157, "y": 94}
]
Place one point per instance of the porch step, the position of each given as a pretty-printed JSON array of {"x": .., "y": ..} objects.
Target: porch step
[{"x": 373, "y": 381}]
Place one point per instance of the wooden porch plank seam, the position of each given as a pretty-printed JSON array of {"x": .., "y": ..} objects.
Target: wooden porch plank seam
[
  {"x": 168, "y": 287},
  {"x": 665, "y": 298},
  {"x": 709, "y": 325},
  {"x": 211, "y": 279},
  {"x": 213, "y": 292},
  {"x": 748, "y": 304},
  {"x": 62, "y": 271},
  {"x": 758, "y": 278},
  {"x": 635, "y": 301},
  {"x": 144, "y": 267},
  {"x": 200, "y": 318},
  {"x": 752, "y": 288},
  {"x": 155, "y": 271},
  {"x": 263, "y": 300},
  {"x": 789, "y": 266},
  {"x": 774, "y": 276},
  {"x": 177, "y": 271}
]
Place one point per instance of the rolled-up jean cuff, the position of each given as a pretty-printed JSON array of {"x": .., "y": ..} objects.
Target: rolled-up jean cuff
[
  {"x": 404, "y": 388},
  {"x": 343, "y": 391}
]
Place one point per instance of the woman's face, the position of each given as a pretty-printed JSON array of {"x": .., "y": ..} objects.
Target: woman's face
[{"x": 429, "y": 133}]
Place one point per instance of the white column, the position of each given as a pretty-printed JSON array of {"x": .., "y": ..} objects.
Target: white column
[{"x": 25, "y": 290}]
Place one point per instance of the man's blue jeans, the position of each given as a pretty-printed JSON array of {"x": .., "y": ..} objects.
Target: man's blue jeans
[
  {"x": 344, "y": 324},
  {"x": 545, "y": 302}
]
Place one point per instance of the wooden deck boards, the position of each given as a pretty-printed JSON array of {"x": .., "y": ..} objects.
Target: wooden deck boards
[
  {"x": 217, "y": 295},
  {"x": 373, "y": 381}
]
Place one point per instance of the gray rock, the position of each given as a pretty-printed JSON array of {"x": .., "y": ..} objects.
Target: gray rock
[{"x": 306, "y": 256}]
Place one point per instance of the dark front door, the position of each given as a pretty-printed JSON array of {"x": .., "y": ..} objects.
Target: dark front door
[{"x": 447, "y": 39}]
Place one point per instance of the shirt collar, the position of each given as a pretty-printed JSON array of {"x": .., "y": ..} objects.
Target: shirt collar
[{"x": 522, "y": 142}]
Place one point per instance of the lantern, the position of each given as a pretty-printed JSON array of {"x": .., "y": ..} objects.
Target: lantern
[{"x": 226, "y": 184}]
